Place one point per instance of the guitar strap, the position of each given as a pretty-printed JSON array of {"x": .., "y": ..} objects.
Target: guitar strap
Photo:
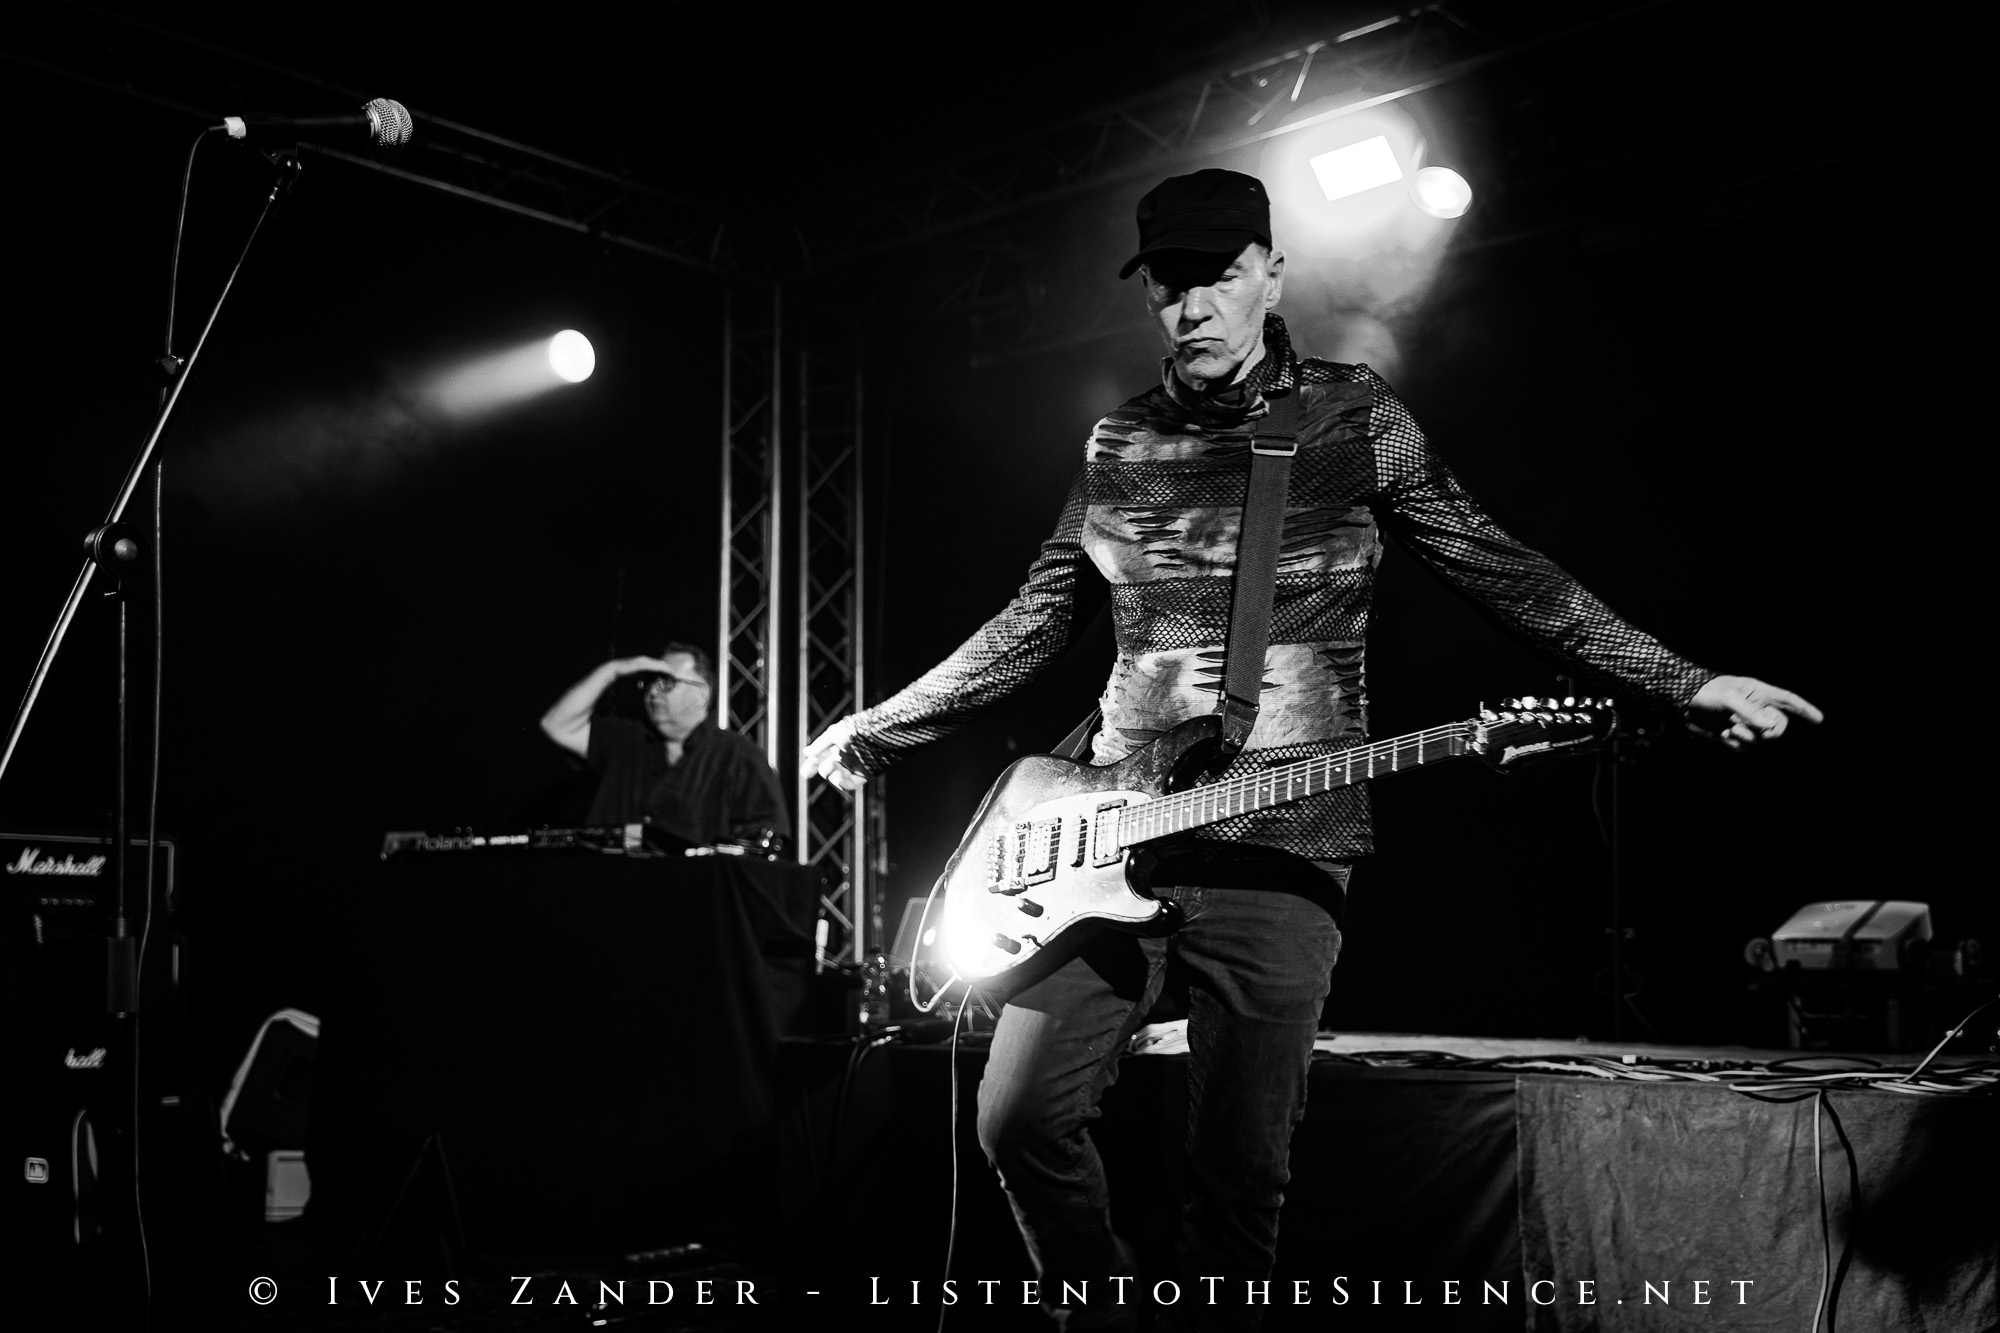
[{"x": 1272, "y": 448}]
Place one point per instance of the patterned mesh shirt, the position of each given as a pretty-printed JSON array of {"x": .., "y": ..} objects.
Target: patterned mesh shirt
[{"x": 1157, "y": 509}]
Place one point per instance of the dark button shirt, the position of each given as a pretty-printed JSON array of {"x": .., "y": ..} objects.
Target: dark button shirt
[{"x": 721, "y": 788}]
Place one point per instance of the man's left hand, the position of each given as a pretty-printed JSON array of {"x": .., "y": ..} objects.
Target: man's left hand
[
  {"x": 824, "y": 756},
  {"x": 1741, "y": 710}
]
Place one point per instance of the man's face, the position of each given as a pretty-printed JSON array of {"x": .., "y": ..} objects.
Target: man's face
[
  {"x": 1210, "y": 308},
  {"x": 678, "y": 706}
]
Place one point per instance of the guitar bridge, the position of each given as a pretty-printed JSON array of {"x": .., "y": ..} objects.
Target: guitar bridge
[{"x": 1041, "y": 847}]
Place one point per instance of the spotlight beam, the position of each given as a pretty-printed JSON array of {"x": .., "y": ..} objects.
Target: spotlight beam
[{"x": 473, "y": 389}]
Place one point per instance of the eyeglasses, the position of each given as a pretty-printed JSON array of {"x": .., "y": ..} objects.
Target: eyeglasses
[{"x": 662, "y": 683}]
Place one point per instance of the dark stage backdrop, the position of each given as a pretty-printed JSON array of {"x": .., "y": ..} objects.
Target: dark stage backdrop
[{"x": 1741, "y": 427}]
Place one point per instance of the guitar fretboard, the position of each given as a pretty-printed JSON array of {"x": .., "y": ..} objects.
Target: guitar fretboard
[{"x": 1289, "y": 782}]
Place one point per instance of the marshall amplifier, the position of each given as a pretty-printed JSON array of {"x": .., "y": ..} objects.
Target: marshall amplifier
[{"x": 55, "y": 1037}]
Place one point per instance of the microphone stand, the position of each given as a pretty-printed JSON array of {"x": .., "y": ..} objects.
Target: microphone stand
[
  {"x": 113, "y": 547},
  {"x": 288, "y": 170}
]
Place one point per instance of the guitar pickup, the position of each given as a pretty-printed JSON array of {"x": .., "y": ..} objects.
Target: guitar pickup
[{"x": 1104, "y": 846}]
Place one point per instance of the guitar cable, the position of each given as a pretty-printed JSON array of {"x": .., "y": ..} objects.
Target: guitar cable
[
  {"x": 925, "y": 1006},
  {"x": 1831, "y": 1275},
  {"x": 1957, "y": 1031},
  {"x": 951, "y": 1218},
  {"x": 951, "y": 1131},
  {"x": 171, "y": 364},
  {"x": 823, "y": 1169}
]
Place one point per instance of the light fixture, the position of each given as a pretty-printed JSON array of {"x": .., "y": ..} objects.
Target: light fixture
[
  {"x": 571, "y": 356},
  {"x": 1357, "y": 167},
  {"x": 1441, "y": 192}
]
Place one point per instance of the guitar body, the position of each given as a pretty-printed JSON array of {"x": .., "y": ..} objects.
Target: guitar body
[
  {"x": 1041, "y": 866},
  {"x": 1060, "y": 849}
]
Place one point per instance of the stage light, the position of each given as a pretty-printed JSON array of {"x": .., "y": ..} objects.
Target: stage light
[
  {"x": 1339, "y": 189},
  {"x": 571, "y": 357},
  {"x": 1441, "y": 192},
  {"x": 1357, "y": 167},
  {"x": 482, "y": 384}
]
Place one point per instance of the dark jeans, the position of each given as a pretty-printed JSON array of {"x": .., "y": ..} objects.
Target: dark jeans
[{"x": 1257, "y": 964}]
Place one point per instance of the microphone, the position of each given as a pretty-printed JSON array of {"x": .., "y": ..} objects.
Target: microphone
[{"x": 387, "y": 123}]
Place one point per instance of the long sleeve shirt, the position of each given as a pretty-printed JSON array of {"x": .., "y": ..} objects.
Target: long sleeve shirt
[{"x": 1157, "y": 511}]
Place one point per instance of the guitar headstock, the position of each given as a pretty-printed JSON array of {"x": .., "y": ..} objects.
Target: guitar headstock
[{"x": 1529, "y": 729}]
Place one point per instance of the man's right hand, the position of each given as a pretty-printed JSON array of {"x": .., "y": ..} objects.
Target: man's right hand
[
  {"x": 824, "y": 756},
  {"x": 626, "y": 666},
  {"x": 567, "y": 722}
]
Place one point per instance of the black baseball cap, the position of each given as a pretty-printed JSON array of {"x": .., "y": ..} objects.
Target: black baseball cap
[{"x": 1215, "y": 211}]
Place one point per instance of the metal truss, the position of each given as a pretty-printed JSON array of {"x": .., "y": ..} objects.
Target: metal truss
[
  {"x": 999, "y": 278},
  {"x": 1226, "y": 109},
  {"x": 1402, "y": 52},
  {"x": 747, "y": 613},
  {"x": 838, "y": 831},
  {"x": 1177, "y": 125},
  {"x": 120, "y": 54}
]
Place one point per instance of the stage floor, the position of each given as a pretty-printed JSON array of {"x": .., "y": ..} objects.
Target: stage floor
[
  {"x": 1527, "y": 1048},
  {"x": 1480, "y": 1173},
  {"x": 1425, "y": 1159}
]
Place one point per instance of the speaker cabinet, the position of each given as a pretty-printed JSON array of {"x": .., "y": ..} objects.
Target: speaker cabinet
[{"x": 56, "y": 1042}]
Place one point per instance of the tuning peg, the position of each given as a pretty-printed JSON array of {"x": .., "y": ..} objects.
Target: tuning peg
[
  {"x": 1528, "y": 701},
  {"x": 1569, "y": 701}
]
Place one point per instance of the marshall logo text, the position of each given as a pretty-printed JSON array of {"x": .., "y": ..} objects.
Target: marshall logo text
[{"x": 32, "y": 862}]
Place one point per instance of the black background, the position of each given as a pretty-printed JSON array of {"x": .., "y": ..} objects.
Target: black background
[{"x": 1707, "y": 338}]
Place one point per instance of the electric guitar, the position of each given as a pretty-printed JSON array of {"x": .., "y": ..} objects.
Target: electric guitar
[{"x": 1060, "y": 849}]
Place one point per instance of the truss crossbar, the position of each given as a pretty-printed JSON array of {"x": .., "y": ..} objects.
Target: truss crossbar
[
  {"x": 837, "y": 831},
  {"x": 1174, "y": 126},
  {"x": 752, "y": 498}
]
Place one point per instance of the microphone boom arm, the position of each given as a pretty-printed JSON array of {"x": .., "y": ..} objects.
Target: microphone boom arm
[{"x": 288, "y": 169}]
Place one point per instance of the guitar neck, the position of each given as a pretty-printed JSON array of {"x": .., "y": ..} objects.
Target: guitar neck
[{"x": 1241, "y": 795}]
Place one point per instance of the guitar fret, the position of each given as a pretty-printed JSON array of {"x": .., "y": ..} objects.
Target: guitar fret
[{"x": 1259, "y": 790}]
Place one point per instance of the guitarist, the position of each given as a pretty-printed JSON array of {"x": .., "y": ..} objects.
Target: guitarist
[{"x": 1157, "y": 511}]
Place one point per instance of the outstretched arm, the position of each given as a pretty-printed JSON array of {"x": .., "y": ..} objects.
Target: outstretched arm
[
  {"x": 1003, "y": 655},
  {"x": 1426, "y": 506},
  {"x": 567, "y": 722}
]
